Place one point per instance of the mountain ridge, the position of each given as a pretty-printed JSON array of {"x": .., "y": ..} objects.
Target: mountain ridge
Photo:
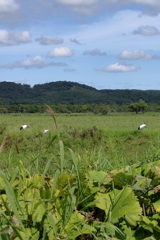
[{"x": 66, "y": 92}]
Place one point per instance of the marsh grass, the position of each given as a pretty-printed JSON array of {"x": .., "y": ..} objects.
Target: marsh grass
[{"x": 102, "y": 142}]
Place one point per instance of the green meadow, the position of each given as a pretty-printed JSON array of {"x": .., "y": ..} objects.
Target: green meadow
[
  {"x": 100, "y": 142},
  {"x": 91, "y": 177}
]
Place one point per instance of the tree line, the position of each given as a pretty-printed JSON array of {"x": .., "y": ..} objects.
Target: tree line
[{"x": 139, "y": 107}]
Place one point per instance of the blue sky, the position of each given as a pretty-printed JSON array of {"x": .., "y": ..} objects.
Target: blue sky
[{"x": 106, "y": 44}]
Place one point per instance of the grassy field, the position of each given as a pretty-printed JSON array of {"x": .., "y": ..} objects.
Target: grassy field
[
  {"x": 99, "y": 142},
  {"x": 78, "y": 180}
]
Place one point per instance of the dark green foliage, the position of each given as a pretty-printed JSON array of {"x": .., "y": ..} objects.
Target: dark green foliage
[
  {"x": 140, "y": 106},
  {"x": 71, "y": 93},
  {"x": 121, "y": 204}
]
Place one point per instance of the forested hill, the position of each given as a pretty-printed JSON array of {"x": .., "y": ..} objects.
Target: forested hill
[{"x": 63, "y": 92}]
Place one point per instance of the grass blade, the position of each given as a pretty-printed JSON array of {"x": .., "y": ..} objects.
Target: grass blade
[
  {"x": 12, "y": 198},
  {"x": 61, "y": 155},
  {"x": 47, "y": 166},
  {"x": 50, "y": 111}
]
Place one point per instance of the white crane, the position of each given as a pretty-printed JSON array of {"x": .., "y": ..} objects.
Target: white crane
[
  {"x": 45, "y": 131},
  {"x": 142, "y": 126},
  {"x": 24, "y": 127}
]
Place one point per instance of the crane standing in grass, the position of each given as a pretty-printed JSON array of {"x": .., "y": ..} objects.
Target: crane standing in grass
[
  {"x": 24, "y": 127},
  {"x": 45, "y": 131},
  {"x": 142, "y": 126}
]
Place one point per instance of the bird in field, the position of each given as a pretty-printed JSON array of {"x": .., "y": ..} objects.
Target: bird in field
[
  {"x": 45, "y": 131},
  {"x": 142, "y": 126},
  {"x": 24, "y": 127}
]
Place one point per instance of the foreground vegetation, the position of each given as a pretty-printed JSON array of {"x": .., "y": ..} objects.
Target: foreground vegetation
[
  {"x": 121, "y": 204},
  {"x": 93, "y": 177}
]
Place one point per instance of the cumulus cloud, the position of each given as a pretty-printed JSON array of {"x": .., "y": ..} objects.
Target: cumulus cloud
[
  {"x": 8, "y": 6},
  {"x": 48, "y": 40},
  {"x": 118, "y": 67},
  {"x": 14, "y": 39},
  {"x": 61, "y": 52},
  {"x": 135, "y": 55},
  {"x": 146, "y": 31},
  {"x": 33, "y": 62},
  {"x": 21, "y": 80},
  {"x": 94, "y": 52}
]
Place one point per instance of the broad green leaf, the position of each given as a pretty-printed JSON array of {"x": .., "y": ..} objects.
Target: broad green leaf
[
  {"x": 74, "y": 225},
  {"x": 155, "y": 200},
  {"x": 36, "y": 210},
  {"x": 151, "y": 224},
  {"x": 97, "y": 176},
  {"x": 127, "y": 231},
  {"x": 118, "y": 204},
  {"x": 97, "y": 181},
  {"x": 158, "y": 208},
  {"x": 142, "y": 183},
  {"x": 64, "y": 181},
  {"x": 77, "y": 231},
  {"x": 38, "y": 180},
  {"x": 122, "y": 179},
  {"x": 29, "y": 233}
]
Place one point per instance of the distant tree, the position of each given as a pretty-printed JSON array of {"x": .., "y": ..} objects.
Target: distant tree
[
  {"x": 103, "y": 110},
  {"x": 141, "y": 106},
  {"x": 3, "y": 110},
  {"x": 1, "y": 102}
]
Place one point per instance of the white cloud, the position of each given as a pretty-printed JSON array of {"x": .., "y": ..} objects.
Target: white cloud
[
  {"x": 135, "y": 55},
  {"x": 118, "y": 67},
  {"x": 94, "y": 52},
  {"x": 34, "y": 62},
  {"x": 8, "y": 6},
  {"x": 146, "y": 31},
  {"x": 61, "y": 52},
  {"x": 21, "y": 80},
  {"x": 77, "y": 2},
  {"x": 14, "y": 39},
  {"x": 48, "y": 40}
]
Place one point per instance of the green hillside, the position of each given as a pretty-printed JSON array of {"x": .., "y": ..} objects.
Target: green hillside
[{"x": 63, "y": 92}]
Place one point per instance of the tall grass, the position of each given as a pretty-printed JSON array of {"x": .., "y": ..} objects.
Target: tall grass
[{"x": 102, "y": 142}]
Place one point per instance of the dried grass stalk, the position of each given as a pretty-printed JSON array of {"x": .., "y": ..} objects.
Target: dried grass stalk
[
  {"x": 50, "y": 111},
  {"x": 3, "y": 144}
]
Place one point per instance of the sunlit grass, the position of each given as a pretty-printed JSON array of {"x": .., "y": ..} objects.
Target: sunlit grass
[{"x": 102, "y": 142}]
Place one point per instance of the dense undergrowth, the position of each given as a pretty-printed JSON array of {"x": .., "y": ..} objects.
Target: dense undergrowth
[{"x": 119, "y": 204}]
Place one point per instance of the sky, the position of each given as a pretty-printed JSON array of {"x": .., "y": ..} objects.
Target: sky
[{"x": 105, "y": 44}]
